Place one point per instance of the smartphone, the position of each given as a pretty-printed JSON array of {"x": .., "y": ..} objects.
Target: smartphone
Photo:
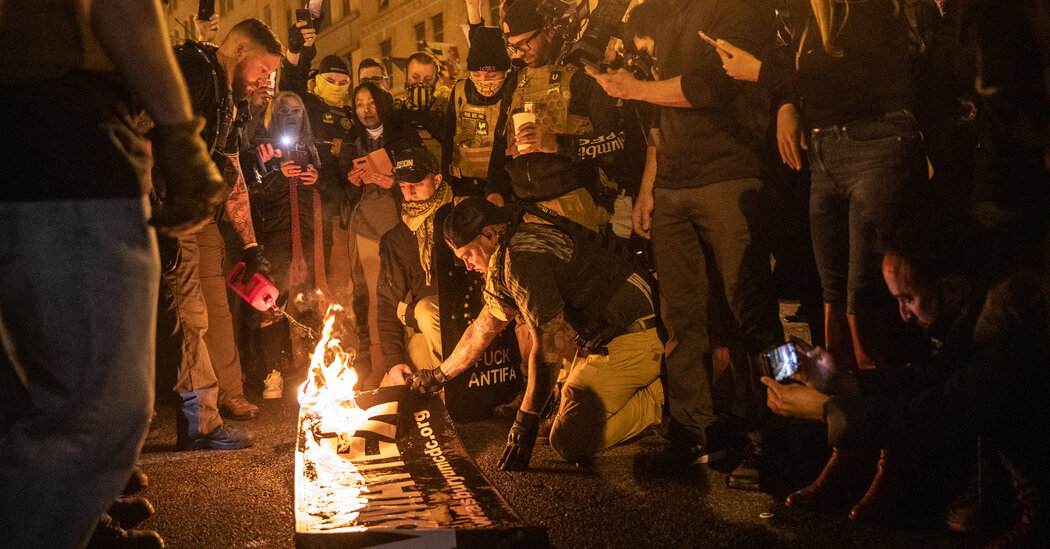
[
  {"x": 783, "y": 361},
  {"x": 710, "y": 40},
  {"x": 304, "y": 15},
  {"x": 205, "y": 9}
]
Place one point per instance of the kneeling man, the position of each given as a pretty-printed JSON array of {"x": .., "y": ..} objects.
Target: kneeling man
[{"x": 559, "y": 280}]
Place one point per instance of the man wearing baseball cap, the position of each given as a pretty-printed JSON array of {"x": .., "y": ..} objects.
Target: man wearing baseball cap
[
  {"x": 408, "y": 260},
  {"x": 560, "y": 281}
]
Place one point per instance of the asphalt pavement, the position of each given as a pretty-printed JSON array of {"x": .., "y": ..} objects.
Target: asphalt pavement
[{"x": 244, "y": 498}]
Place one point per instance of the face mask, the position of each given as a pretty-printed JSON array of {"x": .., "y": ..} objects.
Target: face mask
[
  {"x": 487, "y": 88},
  {"x": 332, "y": 94},
  {"x": 420, "y": 96}
]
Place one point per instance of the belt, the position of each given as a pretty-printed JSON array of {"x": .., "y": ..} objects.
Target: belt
[{"x": 641, "y": 325}]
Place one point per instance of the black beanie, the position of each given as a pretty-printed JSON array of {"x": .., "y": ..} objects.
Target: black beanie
[
  {"x": 522, "y": 16},
  {"x": 468, "y": 218},
  {"x": 487, "y": 52},
  {"x": 333, "y": 63}
]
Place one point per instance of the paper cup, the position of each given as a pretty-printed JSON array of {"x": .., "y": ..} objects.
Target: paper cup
[{"x": 520, "y": 119}]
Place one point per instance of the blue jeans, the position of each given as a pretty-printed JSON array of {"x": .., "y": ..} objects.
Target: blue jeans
[
  {"x": 862, "y": 176},
  {"x": 78, "y": 294}
]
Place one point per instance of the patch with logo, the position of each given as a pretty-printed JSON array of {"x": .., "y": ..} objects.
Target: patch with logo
[
  {"x": 345, "y": 123},
  {"x": 327, "y": 119},
  {"x": 555, "y": 78}
]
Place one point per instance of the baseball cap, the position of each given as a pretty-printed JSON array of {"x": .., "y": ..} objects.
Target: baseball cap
[{"x": 413, "y": 165}]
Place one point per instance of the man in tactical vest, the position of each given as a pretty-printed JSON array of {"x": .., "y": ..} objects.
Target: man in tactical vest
[
  {"x": 78, "y": 282},
  {"x": 471, "y": 115},
  {"x": 409, "y": 258},
  {"x": 561, "y": 280},
  {"x": 575, "y": 121},
  {"x": 194, "y": 278}
]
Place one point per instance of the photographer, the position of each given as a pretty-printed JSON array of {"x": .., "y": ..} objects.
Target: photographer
[
  {"x": 194, "y": 286},
  {"x": 571, "y": 118},
  {"x": 560, "y": 281},
  {"x": 987, "y": 377},
  {"x": 703, "y": 205}
]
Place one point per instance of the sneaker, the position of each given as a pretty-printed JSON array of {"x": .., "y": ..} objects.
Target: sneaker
[
  {"x": 130, "y": 510},
  {"x": 109, "y": 535},
  {"x": 239, "y": 408},
  {"x": 274, "y": 385},
  {"x": 755, "y": 472},
  {"x": 223, "y": 437}
]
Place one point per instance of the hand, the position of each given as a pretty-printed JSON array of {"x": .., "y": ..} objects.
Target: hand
[
  {"x": 794, "y": 400},
  {"x": 254, "y": 262},
  {"x": 536, "y": 138},
  {"x": 496, "y": 199},
  {"x": 738, "y": 63},
  {"x": 382, "y": 180},
  {"x": 260, "y": 97},
  {"x": 191, "y": 184},
  {"x": 816, "y": 367},
  {"x": 356, "y": 176},
  {"x": 642, "y": 215},
  {"x": 618, "y": 83},
  {"x": 520, "y": 441},
  {"x": 399, "y": 374},
  {"x": 429, "y": 381},
  {"x": 268, "y": 153},
  {"x": 207, "y": 30},
  {"x": 308, "y": 176},
  {"x": 789, "y": 136},
  {"x": 291, "y": 168}
]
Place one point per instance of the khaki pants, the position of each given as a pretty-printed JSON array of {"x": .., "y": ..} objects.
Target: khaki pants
[
  {"x": 609, "y": 399},
  {"x": 424, "y": 348}
]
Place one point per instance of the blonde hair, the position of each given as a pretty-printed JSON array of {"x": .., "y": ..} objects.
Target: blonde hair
[{"x": 825, "y": 11}]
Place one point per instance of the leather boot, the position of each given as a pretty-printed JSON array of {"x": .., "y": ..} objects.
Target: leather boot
[
  {"x": 838, "y": 338},
  {"x": 864, "y": 337},
  {"x": 885, "y": 499},
  {"x": 843, "y": 479}
]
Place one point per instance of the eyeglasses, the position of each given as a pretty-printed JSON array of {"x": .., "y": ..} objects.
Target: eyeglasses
[
  {"x": 375, "y": 79},
  {"x": 523, "y": 46}
]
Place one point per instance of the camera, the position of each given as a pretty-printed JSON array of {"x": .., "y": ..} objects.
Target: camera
[{"x": 584, "y": 33}]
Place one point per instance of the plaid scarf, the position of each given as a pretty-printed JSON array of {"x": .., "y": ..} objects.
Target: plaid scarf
[{"x": 419, "y": 216}]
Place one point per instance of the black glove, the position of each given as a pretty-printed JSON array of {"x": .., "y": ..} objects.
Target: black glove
[
  {"x": 254, "y": 262},
  {"x": 520, "y": 441},
  {"x": 295, "y": 38},
  {"x": 184, "y": 177},
  {"x": 429, "y": 381}
]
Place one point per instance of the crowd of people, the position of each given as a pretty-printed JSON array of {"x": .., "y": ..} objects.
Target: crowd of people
[{"x": 634, "y": 218}]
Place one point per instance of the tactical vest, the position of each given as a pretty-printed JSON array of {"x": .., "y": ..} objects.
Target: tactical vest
[
  {"x": 597, "y": 261},
  {"x": 472, "y": 143},
  {"x": 547, "y": 88}
]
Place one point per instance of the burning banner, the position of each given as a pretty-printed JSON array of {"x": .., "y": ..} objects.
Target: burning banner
[{"x": 387, "y": 467}]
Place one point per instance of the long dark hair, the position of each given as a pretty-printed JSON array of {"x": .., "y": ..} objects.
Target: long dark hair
[{"x": 384, "y": 106}]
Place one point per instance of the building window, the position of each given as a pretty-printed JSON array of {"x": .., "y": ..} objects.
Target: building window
[
  {"x": 421, "y": 32},
  {"x": 326, "y": 15},
  {"x": 288, "y": 17},
  {"x": 383, "y": 4},
  {"x": 266, "y": 16},
  {"x": 386, "y": 52},
  {"x": 438, "y": 23},
  {"x": 345, "y": 4}
]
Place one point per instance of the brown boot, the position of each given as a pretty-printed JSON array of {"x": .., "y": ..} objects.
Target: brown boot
[
  {"x": 886, "y": 497},
  {"x": 838, "y": 338},
  {"x": 864, "y": 338},
  {"x": 843, "y": 479}
]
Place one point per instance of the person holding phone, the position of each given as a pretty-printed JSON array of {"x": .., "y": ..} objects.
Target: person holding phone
[
  {"x": 702, "y": 205},
  {"x": 988, "y": 377}
]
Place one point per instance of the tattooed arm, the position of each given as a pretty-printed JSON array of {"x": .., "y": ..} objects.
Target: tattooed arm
[
  {"x": 237, "y": 207},
  {"x": 544, "y": 362},
  {"x": 476, "y": 338}
]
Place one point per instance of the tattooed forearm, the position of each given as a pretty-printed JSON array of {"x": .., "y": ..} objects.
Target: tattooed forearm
[
  {"x": 237, "y": 207},
  {"x": 545, "y": 362},
  {"x": 476, "y": 338}
]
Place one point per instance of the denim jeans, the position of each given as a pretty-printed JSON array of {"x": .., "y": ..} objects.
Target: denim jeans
[
  {"x": 705, "y": 250},
  {"x": 863, "y": 174},
  {"x": 78, "y": 294}
]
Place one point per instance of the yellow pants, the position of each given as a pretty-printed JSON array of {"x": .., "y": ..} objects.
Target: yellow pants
[
  {"x": 609, "y": 399},
  {"x": 424, "y": 348},
  {"x": 576, "y": 205}
]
